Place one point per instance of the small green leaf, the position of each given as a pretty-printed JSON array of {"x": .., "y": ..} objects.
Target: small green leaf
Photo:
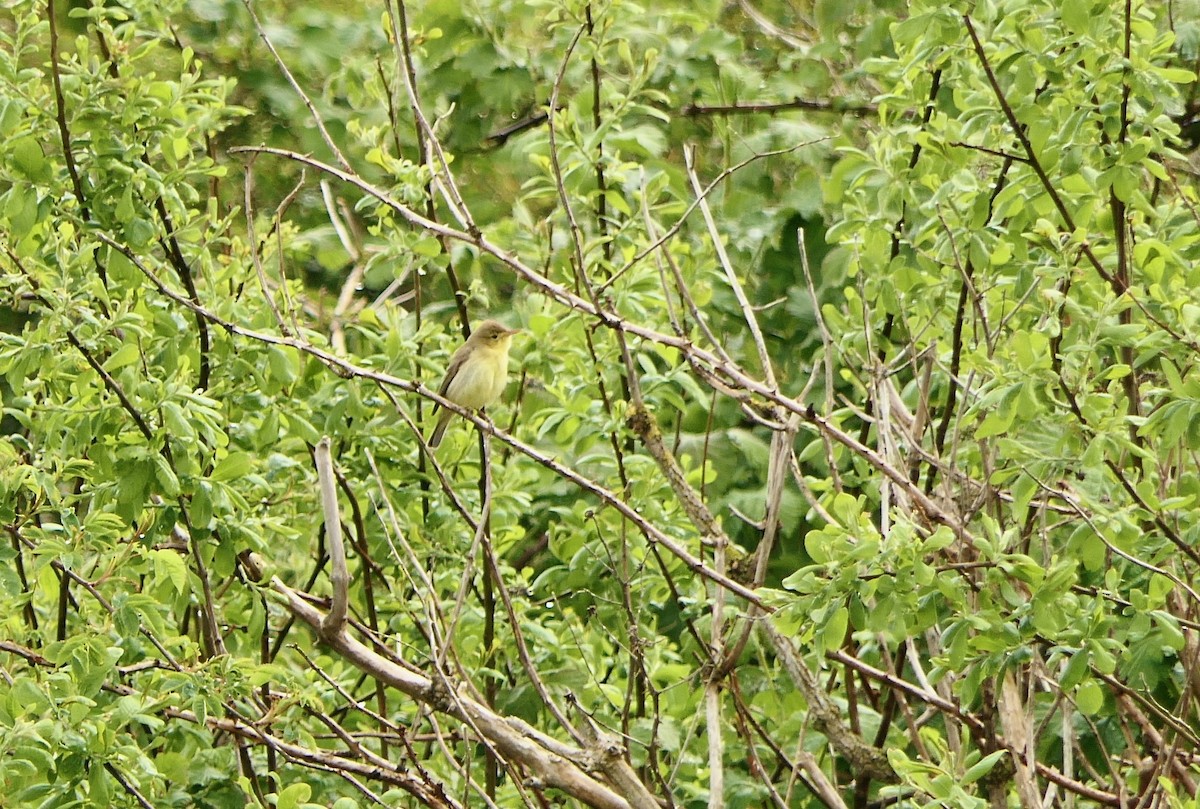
[
  {"x": 127, "y": 354},
  {"x": 281, "y": 365},
  {"x": 302, "y": 428},
  {"x": 1160, "y": 587},
  {"x": 845, "y": 507},
  {"x": 429, "y": 247},
  {"x": 201, "y": 512},
  {"x": 175, "y": 421},
  {"x": 166, "y": 477},
  {"x": 21, "y": 209},
  {"x": 10, "y": 113},
  {"x": 1076, "y": 14},
  {"x": 1089, "y": 698},
  {"x": 170, "y": 565},
  {"x": 233, "y": 465},
  {"x": 996, "y": 423},
  {"x": 1076, "y": 668},
  {"x": 817, "y": 545},
  {"x": 291, "y": 797},
  {"x": 982, "y": 767},
  {"x": 1103, "y": 659},
  {"x": 29, "y": 159},
  {"x": 1171, "y": 635},
  {"x": 834, "y": 631},
  {"x": 1177, "y": 75}
]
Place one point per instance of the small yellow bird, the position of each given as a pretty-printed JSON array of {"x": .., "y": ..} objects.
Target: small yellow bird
[{"x": 478, "y": 372}]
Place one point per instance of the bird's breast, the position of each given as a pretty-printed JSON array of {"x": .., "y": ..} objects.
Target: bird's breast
[{"x": 480, "y": 380}]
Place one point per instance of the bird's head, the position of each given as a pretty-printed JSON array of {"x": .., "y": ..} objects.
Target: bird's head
[{"x": 493, "y": 334}]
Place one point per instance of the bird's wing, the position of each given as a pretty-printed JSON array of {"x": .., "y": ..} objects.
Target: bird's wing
[{"x": 456, "y": 362}]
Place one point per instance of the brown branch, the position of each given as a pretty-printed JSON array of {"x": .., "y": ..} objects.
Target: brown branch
[
  {"x": 723, "y": 368},
  {"x": 977, "y": 726},
  {"x": 170, "y": 245},
  {"x": 864, "y": 759},
  {"x": 556, "y": 764},
  {"x": 772, "y": 107},
  {"x": 335, "y": 621},
  {"x": 60, "y": 115}
]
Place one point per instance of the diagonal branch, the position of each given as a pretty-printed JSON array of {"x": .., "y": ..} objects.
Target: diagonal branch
[{"x": 555, "y": 763}]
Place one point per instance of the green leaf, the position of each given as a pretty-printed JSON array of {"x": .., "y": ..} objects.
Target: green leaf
[
  {"x": 429, "y": 247},
  {"x": 1177, "y": 75},
  {"x": 818, "y": 545},
  {"x": 1076, "y": 669},
  {"x": 833, "y": 634},
  {"x": 170, "y": 564},
  {"x": 1104, "y": 660},
  {"x": 234, "y": 465},
  {"x": 1168, "y": 625},
  {"x": 201, "y": 507},
  {"x": 127, "y": 354},
  {"x": 996, "y": 423},
  {"x": 1077, "y": 15},
  {"x": 10, "y": 114},
  {"x": 166, "y": 477},
  {"x": 982, "y": 767},
  {"x": 29, "y": 159},
  {"x": 292, "y": 796},
  {"x": 1089, "y": 698},
  {"x": 21, "y": 209}
]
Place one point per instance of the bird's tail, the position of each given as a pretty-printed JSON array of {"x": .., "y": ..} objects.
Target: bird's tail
[{"x": 440, "y": 429}]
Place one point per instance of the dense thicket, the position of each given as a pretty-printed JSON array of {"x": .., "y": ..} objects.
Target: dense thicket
[{"x": 849, "y": 457}]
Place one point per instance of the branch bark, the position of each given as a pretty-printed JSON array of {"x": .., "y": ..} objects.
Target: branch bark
[{"x": 553, "y": 763}]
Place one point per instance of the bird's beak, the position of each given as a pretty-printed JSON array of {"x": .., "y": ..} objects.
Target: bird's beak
[{"x": 511, "y": 332}]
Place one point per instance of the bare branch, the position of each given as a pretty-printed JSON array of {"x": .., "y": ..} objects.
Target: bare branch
[{"x": 335, "y": 622}]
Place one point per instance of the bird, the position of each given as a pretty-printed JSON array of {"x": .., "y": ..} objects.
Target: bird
[{"x": 477, "y": 373}]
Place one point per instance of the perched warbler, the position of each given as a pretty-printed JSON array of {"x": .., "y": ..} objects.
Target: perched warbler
[{"x": 478, "y": 372}]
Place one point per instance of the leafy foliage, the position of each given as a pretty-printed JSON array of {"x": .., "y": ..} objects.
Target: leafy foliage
[{"x": 851, "y": 455}]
